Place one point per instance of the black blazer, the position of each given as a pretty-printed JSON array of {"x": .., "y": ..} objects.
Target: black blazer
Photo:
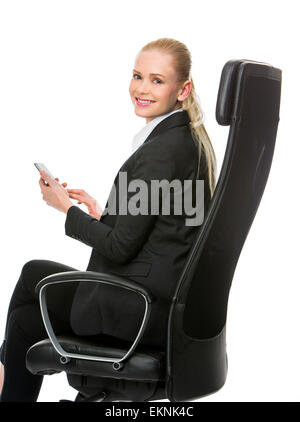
[{"x": 150, "y": 249}]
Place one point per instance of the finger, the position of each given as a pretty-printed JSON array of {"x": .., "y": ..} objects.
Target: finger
[
  {"x": 74, "y": 195},
  {"x": 57, "y": 179},
  {"x": 78, "y": 197},
  {"x": 64, "y": 184},
  {"x": 75, "y": 191},
  {"x": 41, "y": 183}
]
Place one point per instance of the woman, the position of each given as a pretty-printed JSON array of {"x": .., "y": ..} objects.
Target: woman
[{"x": 150, "y": 248}]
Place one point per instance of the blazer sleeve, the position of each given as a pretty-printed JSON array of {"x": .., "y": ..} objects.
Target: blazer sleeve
[{"x": 122, "y": 242}]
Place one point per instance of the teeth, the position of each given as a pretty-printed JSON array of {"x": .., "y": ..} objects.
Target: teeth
[{"x": 144, "y": 101}]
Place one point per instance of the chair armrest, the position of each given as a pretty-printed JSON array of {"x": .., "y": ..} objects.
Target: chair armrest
[
  {"x": 95, "y": 276},
  {"x": 91, "y": 276}
]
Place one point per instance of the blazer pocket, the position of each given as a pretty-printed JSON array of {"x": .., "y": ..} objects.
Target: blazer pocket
[{"x": 134, "y": 268}]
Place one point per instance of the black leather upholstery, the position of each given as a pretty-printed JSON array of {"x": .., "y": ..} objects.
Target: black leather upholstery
[
  {"x": 249, "y": 99},
  {"x": 194, "y": 363},
  {"x": 112, "y": 279},
  {"x": 144, "y": 365},
  {"x": 227, "y": 94}
]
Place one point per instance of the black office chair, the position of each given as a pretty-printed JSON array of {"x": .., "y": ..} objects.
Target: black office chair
[{"x": 194, "y": 362}]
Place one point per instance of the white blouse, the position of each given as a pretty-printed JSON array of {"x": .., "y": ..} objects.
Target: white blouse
[{"x": 143, "y": 134}]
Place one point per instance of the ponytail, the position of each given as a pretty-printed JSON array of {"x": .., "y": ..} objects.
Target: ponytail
[{"x": 192, "y": 105}]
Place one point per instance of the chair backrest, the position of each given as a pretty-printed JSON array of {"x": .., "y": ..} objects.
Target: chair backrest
[{"x": 248, "y": 101}]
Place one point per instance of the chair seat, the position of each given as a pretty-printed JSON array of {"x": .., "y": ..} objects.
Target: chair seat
[{"x": 145, "y": 364}]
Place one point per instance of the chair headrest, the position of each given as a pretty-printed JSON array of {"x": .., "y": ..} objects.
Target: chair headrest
[
  {"x": 227, "y": 89},
  {"x": 225, "y": 100}
]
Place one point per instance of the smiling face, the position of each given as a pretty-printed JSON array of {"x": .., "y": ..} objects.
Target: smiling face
[{"x": 154, "y": 89}]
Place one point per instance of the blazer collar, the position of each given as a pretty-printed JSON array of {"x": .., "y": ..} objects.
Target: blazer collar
[{"x": 176, "y": 119}]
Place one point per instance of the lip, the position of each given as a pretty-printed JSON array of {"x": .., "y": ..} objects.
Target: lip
[{"x": 143, "y": 105}]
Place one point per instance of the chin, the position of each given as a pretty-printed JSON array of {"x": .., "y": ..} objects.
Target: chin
[{"x": 142, "y": 113}]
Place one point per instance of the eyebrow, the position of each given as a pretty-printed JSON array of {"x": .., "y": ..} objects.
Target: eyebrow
[{"x": 150, "y": 73}]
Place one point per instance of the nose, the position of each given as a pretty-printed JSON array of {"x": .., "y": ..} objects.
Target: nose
[{"x": 144, "y": 87}]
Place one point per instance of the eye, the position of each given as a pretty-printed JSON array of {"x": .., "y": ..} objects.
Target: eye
[{"x": 139, "y": 77}]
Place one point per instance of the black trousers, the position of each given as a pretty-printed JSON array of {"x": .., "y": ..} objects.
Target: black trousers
[{"x": 24, "y": 327}]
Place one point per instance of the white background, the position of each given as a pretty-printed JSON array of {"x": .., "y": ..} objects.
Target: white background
[{"x": 64, "y": 78}]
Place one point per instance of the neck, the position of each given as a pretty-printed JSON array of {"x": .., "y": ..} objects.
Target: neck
[{"x": 149, "y": 119}]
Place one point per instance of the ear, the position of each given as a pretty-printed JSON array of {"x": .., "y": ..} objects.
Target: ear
[{"x": 185, "y": 90}]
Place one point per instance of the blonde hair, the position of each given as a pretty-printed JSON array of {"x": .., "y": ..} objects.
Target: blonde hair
[{"x": 182, "y": 64}]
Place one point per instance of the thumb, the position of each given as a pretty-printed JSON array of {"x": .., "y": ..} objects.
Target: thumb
[{"x": 45, "y": 176}]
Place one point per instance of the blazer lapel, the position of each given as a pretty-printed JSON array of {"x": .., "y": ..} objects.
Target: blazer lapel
[{"x": 177, "y": 119}]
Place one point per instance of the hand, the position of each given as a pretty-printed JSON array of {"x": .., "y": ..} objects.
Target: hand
[
  {"x": 84, "y": 198},
  {"x": 54, "y": 194}
]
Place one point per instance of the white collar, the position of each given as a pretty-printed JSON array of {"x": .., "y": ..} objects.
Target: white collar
[{"x": 143, "y": 134}]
